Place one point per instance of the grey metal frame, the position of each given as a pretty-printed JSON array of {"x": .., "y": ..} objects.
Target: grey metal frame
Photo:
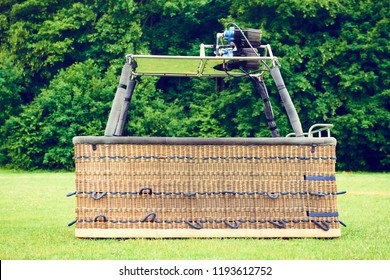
[{"x": 203, "y": 66}]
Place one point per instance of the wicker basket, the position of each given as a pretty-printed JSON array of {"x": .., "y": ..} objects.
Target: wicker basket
[{"x": 216, "y": 187}]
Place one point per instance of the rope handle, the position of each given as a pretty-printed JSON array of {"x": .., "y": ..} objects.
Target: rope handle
[
  {"x": 340, "y": 192},
  {"x": 279, "y": 224},
  {"x": 229, "y": 192},
  {"x": 199, "y": 225},
  {"x": 100, "y": 216},
  {"x": 189, "y": 194},
  {"x": 146, "y": 189},
  {"x": 323, "y": 225},
  {"x": 70, "y": 194},
  {"x": 273, "y": 195},
  {"x": 342, "y": 223},
  {"x": 93, "y": 195},
  {"x": 152, "y": 214},
  {"x": 237, "y": 224}
]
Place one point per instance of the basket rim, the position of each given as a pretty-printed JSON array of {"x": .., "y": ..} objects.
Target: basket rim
[{"x": 306, "y": 141}]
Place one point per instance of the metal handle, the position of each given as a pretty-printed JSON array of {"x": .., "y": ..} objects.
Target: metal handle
[{"x": 323, "y": 127}]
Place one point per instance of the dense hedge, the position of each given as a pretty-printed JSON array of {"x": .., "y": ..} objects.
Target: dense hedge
[{"x": 60, "y": 63}]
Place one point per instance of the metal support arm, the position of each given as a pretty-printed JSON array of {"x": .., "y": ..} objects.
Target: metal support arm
[
  {"x": 288, "y": 104},
  {"x": 118, "y": 101},
  {"x": 269, "y": 114},
  {"x": 125, "y": 107}
]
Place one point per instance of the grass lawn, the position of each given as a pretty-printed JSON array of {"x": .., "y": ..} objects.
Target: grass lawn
[{"x": 35, "y": 214}]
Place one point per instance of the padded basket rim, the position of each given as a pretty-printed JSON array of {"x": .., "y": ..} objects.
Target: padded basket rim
[{"x": 306, "y": 141}]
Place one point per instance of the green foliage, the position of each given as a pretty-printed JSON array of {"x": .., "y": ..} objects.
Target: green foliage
[
  {"x": 60, "y": 63},
  {"x": 75, "y": 103},
  {"x": 178, "y": 27},
  {"x": 10, "y": 87},
  {"x": 49, "y": 35},
  {"x": 334, "y": 57},
  {"x": 151, "y": 114}
]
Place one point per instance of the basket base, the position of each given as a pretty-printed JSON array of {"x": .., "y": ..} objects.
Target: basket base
[{"x": 212, "y": 233}]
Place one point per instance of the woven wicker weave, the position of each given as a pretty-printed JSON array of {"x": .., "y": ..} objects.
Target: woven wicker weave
[{"x": 132, "y": 188}]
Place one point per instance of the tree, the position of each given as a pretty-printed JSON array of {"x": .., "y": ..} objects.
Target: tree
[
  {"x": 334, "y": 57},
  {"x": 10, "y": 87},
  {"x": 75, "y": 103}
]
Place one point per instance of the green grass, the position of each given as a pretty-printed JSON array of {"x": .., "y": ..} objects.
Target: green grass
[{"x": 35, "y": 213}]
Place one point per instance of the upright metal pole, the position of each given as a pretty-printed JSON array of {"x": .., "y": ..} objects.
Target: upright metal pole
[
  {"x": 118, "y": 100},
  {"x": 269, "y": 114},
  {"x": 288, "y": 104},
  {"x": 125, "y": 107}
]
